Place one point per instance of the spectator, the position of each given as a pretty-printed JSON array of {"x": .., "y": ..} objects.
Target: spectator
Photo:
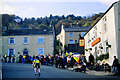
[
  {"x": 59, "y": 61},
  {"x": 5, "y": 58},
  {"x": 103, "y": 65},
  {"x": 84, "y": 59},
  {"x": 91, "y": 58},
  {"x": 80, "y": 58},
  {"x": 37, "y": 56},
  {"x": 13, "y": 60},
  {"x": 61, "y": 64},
  {"x": 56, "y": 61},
  {"x": 68, "y": 61},
  {"x": 97, "y": 67},
  {"x": 65, "y": 61},
  {"x": 29, "y": 59},
  {"x": 52, "y": 60},
  {"x": 24, "y": 58},
  {"x": 83, "y": 68},
  {"x": 78, "y": 69},
  {"x": 107, "y": 67},
  {"x": 115, "y": 65},
  {"x": 9, "y": 58},
  {"x": 42, "y": 58},
  {"x": 33, "y": 57},
  {"x": 72, "y": 62},
  {"x": 49, "y": 58},
  {"x": 20, "y": 58},
  {"x": 46, "y": 60}
]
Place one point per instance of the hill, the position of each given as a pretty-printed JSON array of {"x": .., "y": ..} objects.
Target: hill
[{"x": 15, "y": 22}]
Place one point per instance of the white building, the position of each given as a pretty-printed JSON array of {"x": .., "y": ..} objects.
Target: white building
[{"x": 104, "y": 36}]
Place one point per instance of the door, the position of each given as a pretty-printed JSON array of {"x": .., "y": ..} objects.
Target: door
[{"x": 25, "y": 52}]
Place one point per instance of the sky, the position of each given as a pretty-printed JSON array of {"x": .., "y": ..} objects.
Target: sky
[{"x": 42, "y": 8}]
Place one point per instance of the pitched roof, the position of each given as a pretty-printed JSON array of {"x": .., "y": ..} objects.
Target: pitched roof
[
  {"x": 102, "y": 16},
  {"x": 11, "y": 32},
  {"x": 77, "y": 29}
]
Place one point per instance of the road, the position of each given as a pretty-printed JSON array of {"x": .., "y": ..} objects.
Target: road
[{"x": 19, "y": 71}]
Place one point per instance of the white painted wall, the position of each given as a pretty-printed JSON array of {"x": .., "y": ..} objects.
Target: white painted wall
[{"x": 112, "y": 34}]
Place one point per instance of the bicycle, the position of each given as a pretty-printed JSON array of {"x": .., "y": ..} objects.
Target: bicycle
[{"x": 37, "y": 72}]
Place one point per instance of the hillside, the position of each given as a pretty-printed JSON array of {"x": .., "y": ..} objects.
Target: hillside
[{"x": 15, "y": 22}]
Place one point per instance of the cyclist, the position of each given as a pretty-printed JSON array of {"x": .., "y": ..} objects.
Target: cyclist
[{"x": 36, "y": 64}]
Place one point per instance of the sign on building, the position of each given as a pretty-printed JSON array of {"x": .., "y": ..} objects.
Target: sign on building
[
  {"x": 81, "y": 42},
  {"x": 96, "y": 41}
]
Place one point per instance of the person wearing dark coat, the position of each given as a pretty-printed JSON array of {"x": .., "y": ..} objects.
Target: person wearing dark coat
[
  {"x": 56, "y": 61},
  {"x": 91, "y": 58},
  {"x": 9, "y": 58},
  {"x": 42, "y": 58},
  {"x": 13, "y": 60},
  {"x": 72, "y": 62},
  {"x": 46, "y": 59},
  {"x": 20, "y": 58},
  {"x": 52, "y": 60},
  {"x": 65, "y": 61},
  {"x": 5, "y": 58},
  {"x": 115, "y": 65}
]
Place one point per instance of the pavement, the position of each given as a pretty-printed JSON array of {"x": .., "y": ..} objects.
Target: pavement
[
  {"x": 97, "y": 73},
  {"x": 0, "y": 74}
]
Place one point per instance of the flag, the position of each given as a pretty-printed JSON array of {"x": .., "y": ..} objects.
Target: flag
[
  {"x": 70, "y": 53},
  {"x": 49, "y": 57},
  {"x": 75, "y": 58},
  {"x": 66, "y": 53}
]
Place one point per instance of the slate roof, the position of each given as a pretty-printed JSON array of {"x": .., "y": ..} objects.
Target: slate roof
[
  {"x": 77, "y": 29},
  {"x": 102, "y": 16},
  {"x": 11, "y": 32}
]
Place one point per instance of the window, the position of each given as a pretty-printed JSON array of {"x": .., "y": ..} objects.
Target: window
[
  {"x": 88, "y": 39},
  {"x": 104, "y": 24},
  {"x": 82, "y": 34},
  {"x": 11, "y": 40},
  {"x": 71, "y": 34},
  {"x": 95, "y": 32},
  {"x": 10, "y": 51},
  {"x": 106, "y": 47},
  {"x": 75, "y": 41},
  {"x": 100, "y": 50},
  {"x": 25, "y": 41},
  {"x": 41, "y": 51},
  {"x": 40, "y": 39},
  {"x": 71, "y": 42}
]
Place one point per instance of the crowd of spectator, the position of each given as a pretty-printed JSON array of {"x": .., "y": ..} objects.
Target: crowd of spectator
[{"x": 65, "y": 62}]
